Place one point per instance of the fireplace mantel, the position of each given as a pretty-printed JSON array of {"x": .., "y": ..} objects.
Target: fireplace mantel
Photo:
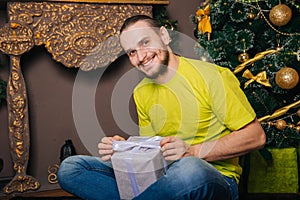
[{"x": 79, "y": 33}]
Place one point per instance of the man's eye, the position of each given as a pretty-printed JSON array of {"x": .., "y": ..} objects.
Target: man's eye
[
  {"x": 132, "y": 53},
  {"x": 145, "y": 42}
]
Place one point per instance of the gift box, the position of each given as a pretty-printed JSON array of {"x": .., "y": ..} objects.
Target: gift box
[
  {"x": 278, "y": 176},
  {"x": 137, "y": 163}
]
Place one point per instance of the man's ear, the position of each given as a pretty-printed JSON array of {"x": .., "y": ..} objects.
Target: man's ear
[{"x": 165, "y": 36}]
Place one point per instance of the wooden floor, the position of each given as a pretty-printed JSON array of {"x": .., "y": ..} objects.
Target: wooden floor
[
  {"x": 59, "y": 194},
  {"x": 51, "y": 194}
]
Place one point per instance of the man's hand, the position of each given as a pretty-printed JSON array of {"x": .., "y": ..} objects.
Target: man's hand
[
  {"x": 105, "y": 147},
  {"x": 173, "y": 148}
]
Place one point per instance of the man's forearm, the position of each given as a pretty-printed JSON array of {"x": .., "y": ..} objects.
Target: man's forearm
[{"x": 235, "y": 144}]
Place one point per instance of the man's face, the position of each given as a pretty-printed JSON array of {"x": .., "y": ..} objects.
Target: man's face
[{"x": 145, "y": 49}]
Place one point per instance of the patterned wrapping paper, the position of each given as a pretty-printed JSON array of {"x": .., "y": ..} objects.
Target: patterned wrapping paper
[{"x": 137, "y": 163}]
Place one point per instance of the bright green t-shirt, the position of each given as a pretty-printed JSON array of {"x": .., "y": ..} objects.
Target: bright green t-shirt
[{"x": 202, "y": 102}]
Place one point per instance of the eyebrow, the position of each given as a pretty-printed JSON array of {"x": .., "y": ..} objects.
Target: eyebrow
[{"x": 139, "y": 44}]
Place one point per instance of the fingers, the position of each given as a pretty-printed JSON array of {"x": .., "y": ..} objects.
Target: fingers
[
  {"x": 118, "y": 138},
  {"x": 105, "y": 146},
  {"x": 173, "y": 148},
  {"x": 166, "y": 140}
]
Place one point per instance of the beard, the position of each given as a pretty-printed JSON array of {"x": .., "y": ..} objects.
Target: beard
[{"x": 162, "y": 68}]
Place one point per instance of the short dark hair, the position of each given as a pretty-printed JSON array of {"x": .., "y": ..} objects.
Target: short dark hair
[{"x": 131, "y": 20}]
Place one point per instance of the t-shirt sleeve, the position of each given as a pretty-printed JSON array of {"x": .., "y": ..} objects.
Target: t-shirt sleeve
[{"x": 238, "y": 112}]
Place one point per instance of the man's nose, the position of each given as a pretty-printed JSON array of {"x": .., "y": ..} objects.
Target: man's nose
[{"x": 141, "y": 54}]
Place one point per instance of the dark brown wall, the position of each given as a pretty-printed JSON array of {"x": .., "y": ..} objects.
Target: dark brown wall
[
  {"x": 4, "y": 142},
  {"x": 50, "y": 86}
]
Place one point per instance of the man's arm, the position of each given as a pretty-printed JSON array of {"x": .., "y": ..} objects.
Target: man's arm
[{"x": 237, "y": 143}]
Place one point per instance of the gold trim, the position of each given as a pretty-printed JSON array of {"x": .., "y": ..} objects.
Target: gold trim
[
  {"x": 52, "y": 173},
  {"x": 116, "y": 1},
  {"x": 18, "y": 130},
  {"x": 84, "y": 36},
  {"x": 279, "y": 112}
]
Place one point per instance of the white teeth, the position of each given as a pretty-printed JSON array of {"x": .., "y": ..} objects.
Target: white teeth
[{"x": 148, "y": 62}]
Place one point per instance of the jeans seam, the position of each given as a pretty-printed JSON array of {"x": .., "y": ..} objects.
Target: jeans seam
[
  {"x": 198, "y": 187},
  {"x": 231, "y": 185}
]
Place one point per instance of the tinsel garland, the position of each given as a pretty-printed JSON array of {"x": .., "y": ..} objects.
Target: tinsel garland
[{"x": 244, "y": 40}]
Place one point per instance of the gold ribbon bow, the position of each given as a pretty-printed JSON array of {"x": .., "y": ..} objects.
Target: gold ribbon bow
[
  {"x": 204, "y": 25},
  {"x": 261, "y": 78}
]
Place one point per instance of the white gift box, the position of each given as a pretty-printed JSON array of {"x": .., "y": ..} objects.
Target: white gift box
[{"x": 137, "y": 163}]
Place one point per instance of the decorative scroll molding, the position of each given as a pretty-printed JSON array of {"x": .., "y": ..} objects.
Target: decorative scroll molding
[
  {"x": 77, "y": 35},
  {"x": 15, "y": 38},
  {"x": 19, "y": 129},
  {"x": 118, "y": 1},
  {"x": 52, "y": 173}
]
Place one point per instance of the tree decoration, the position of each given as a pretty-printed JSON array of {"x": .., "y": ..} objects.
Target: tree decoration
[
  {"x": 280, "y": 124},
  {"x": 238, "y": 12},
  {"x": 243, "y": 57},
  {"x": 287, "y": 78},
  {"x": 260, "y": 78},
  {"x": 160, "y": 14},
  {"x": 203, "y": 21},
  {"x": 251, "y": 15},
  {"x": 280, "y": 15},
  {"x": 262, "y": 36},
  {"x": 285, "y": 132},
  {"x": 257, "y": 57},
  {"x": 272, "y": 27},
  {"x": 280, "y": 112}
]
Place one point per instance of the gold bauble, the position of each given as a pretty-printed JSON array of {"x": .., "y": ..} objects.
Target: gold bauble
[
  {"x": 251, "y": 15},
  {"x": 243, "y": 57},
  {"x": 298, "y": 113},
  {"x": 298, "y": 129},
  {"x": 280, "y": 124},
  {"x": 280, "y": 15},
  {"x": 287, "y": 78}
]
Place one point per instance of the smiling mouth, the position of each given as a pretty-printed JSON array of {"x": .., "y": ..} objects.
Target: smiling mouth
[{"x": 146, "y": 63}]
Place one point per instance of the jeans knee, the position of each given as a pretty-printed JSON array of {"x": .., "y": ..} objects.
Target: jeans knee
[
  {"x": 192, "y": 168},
  {"x": 67, "y": 168}
]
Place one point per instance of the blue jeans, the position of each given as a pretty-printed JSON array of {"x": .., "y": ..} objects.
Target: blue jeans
[{"x": 188, "y": 178}]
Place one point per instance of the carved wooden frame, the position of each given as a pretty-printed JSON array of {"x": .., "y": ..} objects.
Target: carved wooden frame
[
  {"x": 83, "y": 35},
  {"x": 117, "y": 1}
]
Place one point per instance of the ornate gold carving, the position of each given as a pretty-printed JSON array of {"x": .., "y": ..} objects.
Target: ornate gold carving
[
  {"x": 15, "y": 38},
  {"x": 21, "y": 184},
  {"x": 18, "y": 130},
  {"x": 77, "y": 35},
  {"x": 118, "y": 1},
  {"x": 52, "y": 170}
]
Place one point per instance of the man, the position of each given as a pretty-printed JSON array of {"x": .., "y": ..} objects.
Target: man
[{"x": 198, "y": 108}]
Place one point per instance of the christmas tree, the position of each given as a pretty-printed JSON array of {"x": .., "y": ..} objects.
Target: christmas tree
[{"x": 260, "y": 42}]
